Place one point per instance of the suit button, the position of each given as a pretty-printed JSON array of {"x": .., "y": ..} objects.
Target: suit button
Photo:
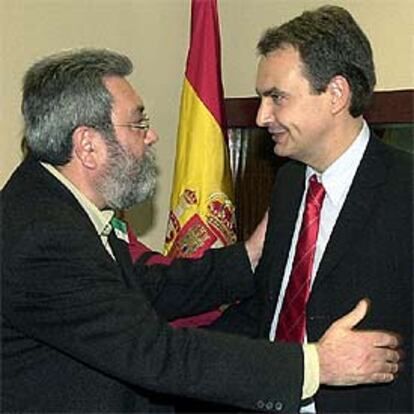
[
  {"x": 260, "y": 404},
  {"x": 278, "y": 406},
  {"x": 269, "y": 406}
]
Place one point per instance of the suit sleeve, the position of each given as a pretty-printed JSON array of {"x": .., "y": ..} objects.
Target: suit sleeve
[
  {"x": 61, "y": 288},
  {"x": 190, "y": 286}
]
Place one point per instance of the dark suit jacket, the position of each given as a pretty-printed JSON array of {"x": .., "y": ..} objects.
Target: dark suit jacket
[
  {"x": 83, "y": 333},
  {"x": 369, "y": 254}
]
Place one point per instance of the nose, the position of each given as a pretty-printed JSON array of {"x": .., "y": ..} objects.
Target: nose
[
  {"x": 151, "y": 137},
  {"x": 264, "y": 113}
]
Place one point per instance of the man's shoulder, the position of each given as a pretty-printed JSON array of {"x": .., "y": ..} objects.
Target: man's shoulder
[
  {"x": 28, "y": 180},
  {"x": 393, "y": 155},
  {"x": 33, "y": 199},
  {"x": 32, "y": 184},
  {"x": 400, "y": 165}
]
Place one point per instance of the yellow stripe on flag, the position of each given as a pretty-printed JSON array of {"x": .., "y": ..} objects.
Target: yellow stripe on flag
[{"x": 207, "y": 169}]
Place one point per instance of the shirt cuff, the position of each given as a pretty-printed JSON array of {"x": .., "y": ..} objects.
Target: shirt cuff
[{"x": 311, "y": 371}]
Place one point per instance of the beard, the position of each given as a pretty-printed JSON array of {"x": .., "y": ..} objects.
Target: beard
[{"x": 127, "y": 180}]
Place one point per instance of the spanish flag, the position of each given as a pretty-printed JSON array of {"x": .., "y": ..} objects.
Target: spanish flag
[{"x": 202, "y": 212}]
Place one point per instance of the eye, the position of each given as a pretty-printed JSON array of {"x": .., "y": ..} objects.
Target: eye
[{"x": 277, "y": 98}]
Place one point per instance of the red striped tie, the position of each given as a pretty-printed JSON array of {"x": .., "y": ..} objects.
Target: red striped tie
[{"x": 292, "y": 319}]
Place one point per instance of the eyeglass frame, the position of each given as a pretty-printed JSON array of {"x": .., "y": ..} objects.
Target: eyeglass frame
[{"x": 142, "y": 125}]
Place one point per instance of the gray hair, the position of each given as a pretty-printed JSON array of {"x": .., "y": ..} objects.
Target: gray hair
[
  {"x": 64, "y": 91},
  {"x": 330, "y": 43}
]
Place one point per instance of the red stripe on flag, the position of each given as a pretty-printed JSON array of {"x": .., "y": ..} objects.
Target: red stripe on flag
[{"x": 204, "y": 62}]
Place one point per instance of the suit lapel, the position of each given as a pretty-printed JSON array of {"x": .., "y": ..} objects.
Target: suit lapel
[
  {"x": 289, "y": 196},
  {"x": 286, "y": 198},
  {"x": 361, "y": 200}
]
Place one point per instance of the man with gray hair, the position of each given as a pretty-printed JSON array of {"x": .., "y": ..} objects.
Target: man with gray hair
[{"x": 83, "y": 328}]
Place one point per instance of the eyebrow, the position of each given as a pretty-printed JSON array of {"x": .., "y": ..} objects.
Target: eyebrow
[
  {"x": 270, "y": 91},
  {"x": 139, "y": 111}
]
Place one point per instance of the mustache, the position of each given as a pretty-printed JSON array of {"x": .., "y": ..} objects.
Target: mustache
[
  {"x": 150, "y": 154},
  {"x": 148, "y": 164}
]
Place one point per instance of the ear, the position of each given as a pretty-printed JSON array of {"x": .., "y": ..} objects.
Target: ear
[
  {"x": 85, "y": 146},
  {"x": 340, "y": 94}
]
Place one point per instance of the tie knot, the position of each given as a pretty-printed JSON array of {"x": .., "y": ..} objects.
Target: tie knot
[{"x": 316, "y": 192}]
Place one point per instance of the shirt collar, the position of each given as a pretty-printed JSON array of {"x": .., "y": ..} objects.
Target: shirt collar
[
  {"x": 101, "y": 219},
  {"x": 338, "y": 177}
]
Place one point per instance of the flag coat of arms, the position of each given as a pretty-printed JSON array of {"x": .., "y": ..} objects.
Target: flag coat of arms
[{"x": 202, "y": 212}]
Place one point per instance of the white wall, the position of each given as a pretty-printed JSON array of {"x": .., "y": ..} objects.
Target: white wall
[
  {"x": 389, "y": 24},
  {"x": 154, "y": 33}
]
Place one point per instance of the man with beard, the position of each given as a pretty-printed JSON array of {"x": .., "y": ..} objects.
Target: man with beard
[{"x": 83, "y": 328}]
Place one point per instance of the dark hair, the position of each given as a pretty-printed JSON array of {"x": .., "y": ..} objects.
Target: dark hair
[
  {"x": 64, "y": 91},
  {"x": 330, "y": 43}
]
